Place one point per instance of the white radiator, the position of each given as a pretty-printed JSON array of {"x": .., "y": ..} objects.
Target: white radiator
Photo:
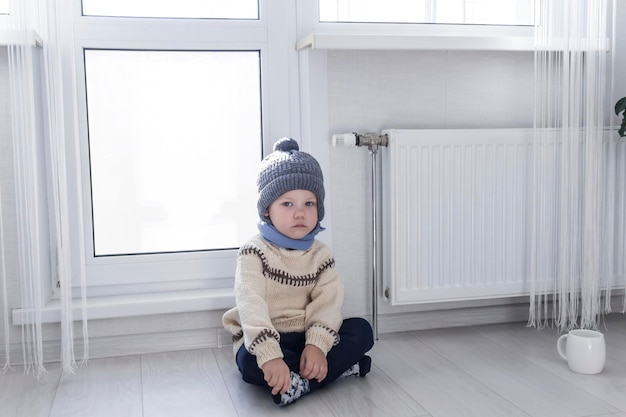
[{"x": 454, "y": 214}]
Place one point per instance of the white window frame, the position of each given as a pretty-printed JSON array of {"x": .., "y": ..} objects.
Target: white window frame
[
  {"x": 4, "y": 23},
  {"x": 4, "y": 13},
  {"x": 431, "y": 7},
  {"x": 273, "y": 35},
  {"x": 308, "y": 23}
]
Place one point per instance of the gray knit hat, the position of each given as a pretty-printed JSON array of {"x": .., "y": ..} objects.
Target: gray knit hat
[{"x": 288, "y": 169}]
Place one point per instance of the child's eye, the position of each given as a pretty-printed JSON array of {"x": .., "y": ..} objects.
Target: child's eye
[
  {"x": 310, "y": 203},
  {"x": 287, "y": 204}
]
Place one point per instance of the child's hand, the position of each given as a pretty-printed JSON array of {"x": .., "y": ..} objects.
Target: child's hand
[
  {"x": 276, "y": 374},
  {"x": 313, "y": 363}
]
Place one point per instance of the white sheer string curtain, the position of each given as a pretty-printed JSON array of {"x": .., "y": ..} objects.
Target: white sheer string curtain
[
  {"x": 570, "y": 213},
  {"x": 29, "y": 135},
  {"x": 23, "y": 125},
  {"x": 4, "y": 301},
  {"x": 63, "y": 142}
]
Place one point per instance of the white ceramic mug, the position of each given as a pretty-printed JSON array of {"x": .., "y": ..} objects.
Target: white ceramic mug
[{"x": 584, "y": 350}]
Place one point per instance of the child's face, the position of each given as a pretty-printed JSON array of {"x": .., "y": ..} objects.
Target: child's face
[{"x": 294, "y": 214}]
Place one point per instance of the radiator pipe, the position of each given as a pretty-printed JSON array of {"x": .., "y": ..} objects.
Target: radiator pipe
[
  {"x": 373, "y": 153},
  {"x": 373, "y": 143}
]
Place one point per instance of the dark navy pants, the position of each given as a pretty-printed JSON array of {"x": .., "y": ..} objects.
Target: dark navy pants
[{"x": 355, "y": 339}]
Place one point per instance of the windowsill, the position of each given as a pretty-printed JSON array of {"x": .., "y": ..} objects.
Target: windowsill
[
  {"x": 429, "y": 42},
  {"x": 12, "y": 37},
  {"x": 137, "y": 305},
  {"x": 416, "y": 42}
]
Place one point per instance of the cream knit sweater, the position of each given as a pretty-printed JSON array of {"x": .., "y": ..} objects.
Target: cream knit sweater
[{"x": 279, "y": 290}]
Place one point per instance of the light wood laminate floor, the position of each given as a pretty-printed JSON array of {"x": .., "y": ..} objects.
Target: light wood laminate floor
[{"x": 495, "y": 370}]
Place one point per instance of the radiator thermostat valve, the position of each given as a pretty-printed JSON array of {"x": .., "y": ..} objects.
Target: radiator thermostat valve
[
  {"x": 371, "y": 140},
  {"x": 346, "y": 140}
]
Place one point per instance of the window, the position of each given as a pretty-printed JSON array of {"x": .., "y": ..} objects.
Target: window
[
  {"x": 484, "y": 12},
  {"x": 231, "y": 9},
  {"x": 4, "y": 7},
  {"x": 174, "y": 116},
  {"x": 171, "y": 137}
]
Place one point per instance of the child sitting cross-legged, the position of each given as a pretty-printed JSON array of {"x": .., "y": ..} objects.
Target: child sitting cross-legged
[{"x": 287, "y": 327}]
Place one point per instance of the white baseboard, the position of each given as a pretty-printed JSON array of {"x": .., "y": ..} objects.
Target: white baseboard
[
  {"x": 214, "y": 336},
  {"x": 128, "y": 345},
  {"x": 435, "y": 319}
]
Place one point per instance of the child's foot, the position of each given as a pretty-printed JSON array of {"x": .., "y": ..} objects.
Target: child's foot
[
  {"x": 365, "y": 365},
  {"x": 297, "y": 388},
  {"x": 361, "y": 368}
]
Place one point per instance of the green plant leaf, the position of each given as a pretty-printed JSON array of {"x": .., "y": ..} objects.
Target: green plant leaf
[{"x": 620, "y": 106}]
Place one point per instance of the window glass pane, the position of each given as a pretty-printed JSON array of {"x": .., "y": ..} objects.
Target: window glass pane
[
  {"x": 486, "y": 12},
  {"x": 174, "y": 142},
  {"x": 373, "y": 11},
  {"x": 231, "y": 9},
  {"x": 497, "y": 12},
  {"x": 4, "y": 7}
]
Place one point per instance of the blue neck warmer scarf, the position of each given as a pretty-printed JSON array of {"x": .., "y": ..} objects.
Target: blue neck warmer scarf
[{"x": 271, "y": 234}]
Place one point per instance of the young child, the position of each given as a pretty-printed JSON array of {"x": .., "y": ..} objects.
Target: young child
[{"x": 288, "y": 333}]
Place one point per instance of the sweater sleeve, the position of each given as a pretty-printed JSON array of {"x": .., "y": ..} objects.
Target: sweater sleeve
[
  {"x": 260, "y": 337},
  {"x": 323, "y": 313}
]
